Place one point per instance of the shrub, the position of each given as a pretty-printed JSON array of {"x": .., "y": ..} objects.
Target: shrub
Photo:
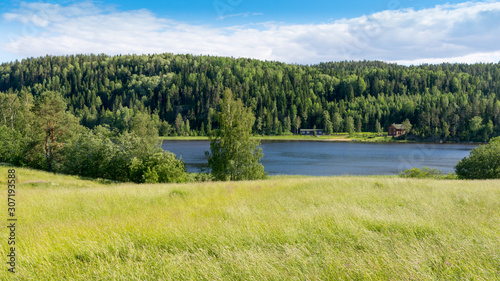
[
  {"x": 91, "y": 155},
  {"x": 11, "y": 146},
  {"x": 159, "y": 167},
  {"x": 425, "y": 172},
  {"x": 199, "y": 177},
  {"x": 124, "y": 157},
  {"x": 482, "y": 163}
]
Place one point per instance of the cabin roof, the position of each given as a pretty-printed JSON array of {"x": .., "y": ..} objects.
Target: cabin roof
[
  {"x": 311, "y": 129},
  {"x": 398, "y": 126}
]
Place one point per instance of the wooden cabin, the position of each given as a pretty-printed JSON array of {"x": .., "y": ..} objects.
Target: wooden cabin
[
  {"x": 396, "y": 130},
  {"x": 310, "y": 132}
]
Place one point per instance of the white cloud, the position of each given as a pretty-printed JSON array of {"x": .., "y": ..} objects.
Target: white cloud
[
  {"x": 470, "y": 58},
  {"x": 245, "y": 15},
  {"x": 465, "y": 32}
]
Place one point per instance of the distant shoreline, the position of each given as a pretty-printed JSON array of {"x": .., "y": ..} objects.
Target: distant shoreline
[{"x": 338, "y": 138}]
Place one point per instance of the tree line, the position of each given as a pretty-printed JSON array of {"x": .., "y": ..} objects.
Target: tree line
[
  {"x": 42, "y": 133},
  {"x": 458, "y": 102}
]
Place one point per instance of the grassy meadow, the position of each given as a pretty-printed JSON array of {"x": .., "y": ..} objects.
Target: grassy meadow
[{"x": 284, "y": 228}]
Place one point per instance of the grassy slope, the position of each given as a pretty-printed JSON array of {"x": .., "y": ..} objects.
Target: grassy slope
[{"x": 294, "y": 228}]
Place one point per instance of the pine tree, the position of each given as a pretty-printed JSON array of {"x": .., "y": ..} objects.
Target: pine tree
[{"x": 55, "y": 124}]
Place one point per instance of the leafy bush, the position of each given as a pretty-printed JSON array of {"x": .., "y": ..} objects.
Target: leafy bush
[
  {"x": 123, "y": 157},
  {"x": 425, "y": 172},
  {"x": 11, "y": 146},
  {"x": 91, "y": 154},
  {"x": 159, "y": 167},
  {"x": 199, "y": 177},
  {"x": 482, "y": 163}
]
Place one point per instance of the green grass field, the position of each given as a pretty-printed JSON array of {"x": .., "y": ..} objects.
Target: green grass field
[{"x": 284, "y": 228}]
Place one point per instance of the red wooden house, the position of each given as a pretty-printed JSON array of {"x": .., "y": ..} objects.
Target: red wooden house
[{"x": 396, "y": 130}]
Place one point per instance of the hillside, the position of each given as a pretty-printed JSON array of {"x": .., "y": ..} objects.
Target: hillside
[
  {"x": 448, "y": 101},
  {"x": 296, "y": 228}
]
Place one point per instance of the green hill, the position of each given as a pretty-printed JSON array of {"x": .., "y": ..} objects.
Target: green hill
[{"x": 447, "y": 101}]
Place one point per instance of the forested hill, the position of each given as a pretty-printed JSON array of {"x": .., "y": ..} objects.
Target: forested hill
[{"x": 448, "y": 101}]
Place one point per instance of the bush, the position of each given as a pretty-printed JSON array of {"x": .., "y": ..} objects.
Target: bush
[
  {"x": 425, "y": 172},
  {"x": 124, "y": 157},
  {"x": 91, "y": 154},
  {"x": 11, "y": 147},
  {"x": 159, "y": 167},
  {"x": 199, "y": 177},
  {"x": 482, "y": 163}
]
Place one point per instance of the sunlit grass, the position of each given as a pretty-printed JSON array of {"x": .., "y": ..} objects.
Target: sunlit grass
[{"x": 296, "y": 228}]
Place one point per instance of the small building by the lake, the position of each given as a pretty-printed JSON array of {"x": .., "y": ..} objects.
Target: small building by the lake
[
  {"x": 396, "y": 130},
  {"x": 310, "y": 132}
]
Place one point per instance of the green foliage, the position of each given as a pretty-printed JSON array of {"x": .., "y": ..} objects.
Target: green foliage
[
  {"x": 482, "y": 163},
  {"x": 123, "y": 157},
  {"x": 378, "y": 129},
  {"x": 234, "y": 154},
  {"x": 143, "y": 126},
  {"x": 440, "y": 101},
  {"x": 48, "y": 136},
  {"x": 407, "y": 125},
  {"x": 349, "y": 125},
  {"x": 92, "y": 154},
  {"x": 425, "y": 172},
  {"x": 162, "y": 166},
  {"x": 337, "y": 122},
  {"x": 327, "y": 123},
  {"x": 55, "y": 125},
  {"x": 11, "y": 146},
  {"x": 199, "y": 177}
]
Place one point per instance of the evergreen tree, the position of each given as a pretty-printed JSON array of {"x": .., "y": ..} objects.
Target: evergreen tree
[
  {"x": 55, "y": 123},
  {"x": 179, "y": 124},
  {"x": 108, "y": 90}
]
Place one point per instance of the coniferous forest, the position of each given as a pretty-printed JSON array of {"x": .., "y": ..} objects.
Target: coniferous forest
[{"x": 450, "y": 102}]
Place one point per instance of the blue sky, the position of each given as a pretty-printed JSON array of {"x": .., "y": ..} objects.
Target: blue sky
[{"x": 306, "y": 32}]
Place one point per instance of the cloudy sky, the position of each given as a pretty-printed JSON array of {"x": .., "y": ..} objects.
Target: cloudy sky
[{"x": 304, "y": 32}]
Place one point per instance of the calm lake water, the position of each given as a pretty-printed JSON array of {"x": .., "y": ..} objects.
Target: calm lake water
[{"x": 335, "y": 158}]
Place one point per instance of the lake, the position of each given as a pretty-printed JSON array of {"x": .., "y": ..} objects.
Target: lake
[{"x": 335, "y": 158}]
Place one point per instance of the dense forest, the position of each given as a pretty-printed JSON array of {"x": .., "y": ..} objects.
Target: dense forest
[{"x": 457, "y": 102}]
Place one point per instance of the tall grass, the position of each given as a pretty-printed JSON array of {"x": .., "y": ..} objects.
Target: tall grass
[{"x": 279, "y": 229}]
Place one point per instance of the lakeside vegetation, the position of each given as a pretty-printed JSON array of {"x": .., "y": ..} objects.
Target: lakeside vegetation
[
  {"x": 101, "y": 116},
  {"x": 100, "y": 119},
  {"x": 362, "y": 137},
  {"x": 293, "y": 228},
  {"x": 457, "y": 102}
]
